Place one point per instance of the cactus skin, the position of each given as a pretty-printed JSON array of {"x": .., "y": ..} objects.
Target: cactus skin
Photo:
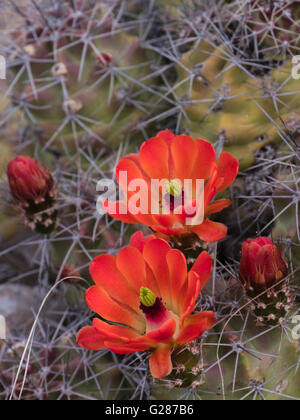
[
  {"x": 286, "y": 212},
  {"x": 101, "y": 89},
  {"x": 274, "y": 307},
  {"x": 226, "y": 102},
  {"x": 190, "y": 245},
  {"x": 274, "y": 23},
  {"x": 251, "y": 365}
]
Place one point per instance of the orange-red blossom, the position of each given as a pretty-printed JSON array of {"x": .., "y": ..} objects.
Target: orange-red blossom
[
  {"x": 148, "y": 290},
  {"x": 170, "y": 157}
]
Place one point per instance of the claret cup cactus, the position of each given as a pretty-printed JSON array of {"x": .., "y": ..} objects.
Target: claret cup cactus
[
  {"x": 179, "y": 280},
  {"x": 164, "y": 159},
  {"x": 157, "y": 317}
]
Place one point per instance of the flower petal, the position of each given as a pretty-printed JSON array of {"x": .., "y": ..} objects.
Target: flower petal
[
  {"x": 138, "y": 240},
  {"x": 184, "y": 152},
  {"x": 164, "y": 334},
  {"x": 206, "y": 160},
  {"x": 154, "y": 158},
  {"x": 195, "y": 325},
  {"x": 178, "y": 275},
  {"x": 184, "y": 214},
  {"x": 131, "y": 264},
  {"x": 210, "y": 231},
  {"x": 166, "y": 220},
  {"x": 210, "y": 187},
  {"x": 217, "y": 206},
  {"x": 106, "y": 275},
  {"x": 261, "y": 241},
  {"x": 166, "y": 135},
  {"x": 203, "y": 267},
  {"x": 145, "y": 219},
  {"x": 119, "y": 211},
  {"x": 189, "y": 292},
  {"x": 101, "y": 303},
  {"x": 271, "y": 263},
  {"x": 228, "y": 168},
  {"x": 129, "y": 171},
  {"x": 114, "y": 332},
  {"x": 135, "y": 158},
  {"x": 151, "y": 281},
  {"x": 125, "y": 348},
  {"x": 161, "y": 363},
  {"x": 249, "y": 263},
  {"x": 155, "y": 252},
  {"x": 89, "y": 338}
]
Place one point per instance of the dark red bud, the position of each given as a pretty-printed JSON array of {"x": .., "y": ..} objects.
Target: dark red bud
[
  {"x": 30, "y": 182},
  {"x": 262, "y": 265}
]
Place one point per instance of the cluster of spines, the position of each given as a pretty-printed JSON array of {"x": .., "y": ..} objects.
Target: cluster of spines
[{"x": 274, "y": 307}]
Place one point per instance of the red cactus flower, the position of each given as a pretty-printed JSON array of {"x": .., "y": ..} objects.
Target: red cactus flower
[
  {"x": 30, "y": 182},
  {"x": 262, "y": 265},
  {"x": 176, "y": 159},
  {"x": 148, "y": 290}
]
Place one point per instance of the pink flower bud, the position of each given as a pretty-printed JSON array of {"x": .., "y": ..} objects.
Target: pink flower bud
[
  {"x": 70, "y": 274},
  {"x": 262, "y": 265}
]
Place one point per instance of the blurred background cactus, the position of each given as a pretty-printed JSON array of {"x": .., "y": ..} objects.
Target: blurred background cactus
[
  {"x": 81, "y": 77},
  {"x": 89, "y": 81},
  {"x": 241, "y": 104}
]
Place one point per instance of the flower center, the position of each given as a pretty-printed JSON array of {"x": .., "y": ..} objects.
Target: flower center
[
  {"x": 155, "y": 312},
  {"x": 154, "y": 309},
  {"x": 174, "y": 188},
  {"x": 175, "y": 194}
]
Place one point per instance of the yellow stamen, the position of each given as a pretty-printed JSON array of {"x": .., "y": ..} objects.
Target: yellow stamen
[
  {"x": 147, "y": 297},
  {"x": 174, "y": 188}
]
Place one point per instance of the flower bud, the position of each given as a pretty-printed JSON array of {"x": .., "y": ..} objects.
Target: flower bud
[
  {"x": 30, "y": 182},
  {"x": 70, "y": 274},
  {"x": 32, "y": 185},
  {"x": 262, "y": 265}
]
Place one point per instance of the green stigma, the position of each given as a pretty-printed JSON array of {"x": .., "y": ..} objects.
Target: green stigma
[
  {"x": 147, "y": 297},
  {"x": 174, "y": 188}
]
